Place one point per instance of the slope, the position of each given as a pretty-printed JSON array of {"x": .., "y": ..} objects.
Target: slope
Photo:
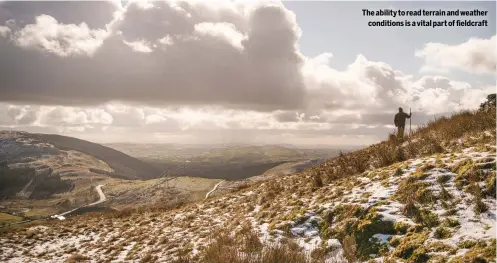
[
  {"x": 19, "y": 146},
  {"x": 123, "y": 164},
  {"x": 429, "y": 199}
]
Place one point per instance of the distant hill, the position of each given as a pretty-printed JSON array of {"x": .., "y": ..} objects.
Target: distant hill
[
  {"x": 123, "y": 164},
  {"x": 41, "y": 165},
  {"x": 236, "y": 154},
  {"x": 42, "y": 175},
  {"x": 232, "y": 162}
]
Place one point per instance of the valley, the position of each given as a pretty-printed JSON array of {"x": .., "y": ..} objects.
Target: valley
[
  {"x": 45, "y": 176},
  {"x": 230, "y": 162}
]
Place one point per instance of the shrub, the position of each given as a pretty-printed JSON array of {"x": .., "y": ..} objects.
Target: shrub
[
  {"x": 478, "y": 253},
  {"x": 245, "y": 247},
  {"x": 467, "y": 244},
  {"x": 147, "y": 258},
  {"x": 77, "y": 258},
  {"x": 489, "y": 104},
  {"x": 317, "y": 182},
  {"x": 420, "y": 255},
  {"x": 394, "y": 241},
  {"x": 409, "y": 244},
  {"x": 428, "y": 218},
  {"x": 441, "y": 233},
  {"x": 442, "y": 179},
  {"x": 410, "y": 190},
  {"x": 449, "y": 222},
  {"x": 490, "y": 185},
  {"x": 401, "y": 228},
  {"x": 450, "y": 212},
  {"x": 349, "y": 248},
  {"x": 480, "y": 207},
  {"x": 444, "y": 194},
  {"x": 410, "y": 209}
]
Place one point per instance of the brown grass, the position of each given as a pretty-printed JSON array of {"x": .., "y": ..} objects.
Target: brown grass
[
  {"x": 350, "y": 248},
  {"x": 245, "y": 247},
  {"x": 77, "y": 258},
  {"x": 438, "y": 136}
]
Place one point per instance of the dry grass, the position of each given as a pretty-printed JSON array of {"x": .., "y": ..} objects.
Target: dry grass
[
  {"x": 480, "y": 206},
  {"x": 438, "y": 136},
  {"x": 77, "y": 258},
  {"x": 350, "y": 248},
  {"x": 245, "y": 247},
  {"x": 167, "y": 232}
]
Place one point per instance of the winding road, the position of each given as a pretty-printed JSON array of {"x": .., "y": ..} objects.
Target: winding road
[
  {"x": 100, "y": 194},
  {"x": 102, "y": 199},
  {"x": 213, "y": 189}
]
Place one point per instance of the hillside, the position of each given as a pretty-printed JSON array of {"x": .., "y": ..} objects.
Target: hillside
[
  {"x": 123, "y": 165},
  {"x": 277, "y": 171},
  {"x": 41, "y": 175},
  {"x": 429, "y": 199},
  {"x": 35, "y": 169},
  {"x": 23, "y": 147}
]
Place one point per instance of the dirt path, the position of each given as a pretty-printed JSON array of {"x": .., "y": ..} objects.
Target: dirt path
[
  {"x": 213, "y": 189},
  {"x": 101, "y": 194}
]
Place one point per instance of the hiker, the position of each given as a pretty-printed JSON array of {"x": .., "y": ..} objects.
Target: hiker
[{"x": 400, "y": 122}]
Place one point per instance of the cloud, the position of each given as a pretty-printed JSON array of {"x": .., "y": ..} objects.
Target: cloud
[
  {"x": 238, "y": 56},
  {"x": 48, "y": 35},
  {"x": 191, "y": 71},
  {"x": 139, "y": 46},
  {"x": 96, "y": 14},
  {"x": 4, "y": 31},
  {"x": 221, "y": 30},
  {"x": 475, "y": 55},
  {"x": 436, "y": 94}
]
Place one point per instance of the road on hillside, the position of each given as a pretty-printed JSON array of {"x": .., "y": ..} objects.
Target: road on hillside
[
  {"x": 213, "y": 189},
  {"x": 101, "y": 194},
  {"x": 102, "y": 199}
]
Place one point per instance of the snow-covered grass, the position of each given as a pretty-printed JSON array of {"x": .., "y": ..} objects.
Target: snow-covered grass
[
  {"x": 368, "y": 206},
  {"x": 373, "y": 204}
]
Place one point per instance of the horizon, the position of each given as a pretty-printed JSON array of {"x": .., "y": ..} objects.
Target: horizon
[
  {"x": 206, "y": 145},
  {"x": 234, "y": 72}
]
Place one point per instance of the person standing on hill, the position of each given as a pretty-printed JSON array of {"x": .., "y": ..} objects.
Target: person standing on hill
[{"x": 400, "y": 122}]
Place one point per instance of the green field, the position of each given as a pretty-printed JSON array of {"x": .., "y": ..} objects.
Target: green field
[
  {"x": 225, "y": 162},
  {"x": 7, "y": 219}
]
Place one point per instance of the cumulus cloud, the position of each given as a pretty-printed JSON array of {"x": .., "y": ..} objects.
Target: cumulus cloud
[
  {"x": 475, "y": 55},
  {"x": 221, "y": 30},
  {"x": 63, "y": 40},
  {"x": 4, "y": 31},
  {"x": 139, "y": 46},
  {"x": 193, "y": 71},
  {"x": 239, "y": 56}
]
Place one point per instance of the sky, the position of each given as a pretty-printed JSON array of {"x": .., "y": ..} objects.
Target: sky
[{"x": 253, "y": 72}]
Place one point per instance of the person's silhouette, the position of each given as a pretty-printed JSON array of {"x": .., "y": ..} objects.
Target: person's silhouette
[{"x": 400, "y": 122}]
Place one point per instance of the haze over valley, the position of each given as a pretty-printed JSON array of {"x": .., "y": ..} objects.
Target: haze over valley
[
  {"x": 45, "y": 175},
  {"x": 231, "y": 162}
]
